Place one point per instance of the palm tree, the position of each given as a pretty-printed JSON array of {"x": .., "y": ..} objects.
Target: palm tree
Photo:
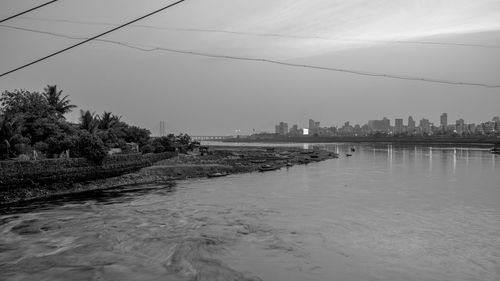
[
  {"x": 8, "y": 131},
  {"x": 108, "y": 120},
  {"x": 61, "y": 104},
  {"x": 89, "y": 121}
]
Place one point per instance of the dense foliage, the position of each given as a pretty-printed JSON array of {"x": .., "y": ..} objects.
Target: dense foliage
[{"x": 33, "y": 123}]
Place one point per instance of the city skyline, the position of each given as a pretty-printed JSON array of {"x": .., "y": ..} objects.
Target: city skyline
[{"x": 394, "y": 126}]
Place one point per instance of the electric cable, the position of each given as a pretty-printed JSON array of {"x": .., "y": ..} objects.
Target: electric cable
[
  {"x": 27, "y": 11},
  {"x": 149, "y": 48},
  {"x": 92, "y": 38}
]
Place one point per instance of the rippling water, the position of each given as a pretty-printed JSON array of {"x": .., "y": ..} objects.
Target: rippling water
[{"x": 387, "y": 213}]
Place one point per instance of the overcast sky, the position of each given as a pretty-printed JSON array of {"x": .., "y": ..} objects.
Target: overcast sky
[{"x": 215, "y": 96}]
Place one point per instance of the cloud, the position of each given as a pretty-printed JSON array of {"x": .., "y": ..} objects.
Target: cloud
[{"x": 355, "y": 19}]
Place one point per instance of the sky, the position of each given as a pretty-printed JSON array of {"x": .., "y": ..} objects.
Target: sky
[{"x": 452, "y": 40}]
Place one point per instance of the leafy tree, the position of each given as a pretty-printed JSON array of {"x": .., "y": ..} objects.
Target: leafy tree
[
  {"x": 163, "y": 144},
  {"x": 61, "y": 104},
  {"x": 8, "y": 133},
  {"x": 184, "y": 139},
  {"x": 135, "y": 134},
  {"x": 64, "y": 138},
  {"x": 28, "y": 119},
  {"x": 21, "y": 102},
  {"x": 89, "y": 146}
]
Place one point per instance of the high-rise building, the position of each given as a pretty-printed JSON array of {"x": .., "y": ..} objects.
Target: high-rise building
[
  {"x": 460, "y": 126},
  {"x": 294, "y": 130},
  {"x": 281, "y": 129},
  {"x": 311, "y": 124},
  {"x": 425, "y": 126},
  {"x": 398, "y": 127},
  {"x": 489, "y": 127},
  {"x": 380, "y": 125},
  {"x": 284, "y": 128},
  {"x": 411, "y": 123},
  {"x": 444, "y": 120},
  {"x": 496, "y": 119}
]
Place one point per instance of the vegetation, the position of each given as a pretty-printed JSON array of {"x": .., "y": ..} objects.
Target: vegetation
[{"x": 32, "y": 124}]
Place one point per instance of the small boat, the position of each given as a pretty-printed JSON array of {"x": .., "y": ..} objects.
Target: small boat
[
  {"x": 257, "y": 161},
  {"x": 348, "y": 155},
  {"x": 265, "y": 168},
  {"x": 216, "y": 175},
  {"x": 288, "y": 164},
  {"x": 333, "y": 155},
  {"x": 304, "y": 161}
]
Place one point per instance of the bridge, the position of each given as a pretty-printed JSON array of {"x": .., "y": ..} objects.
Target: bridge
[{"x": 210, "y": 138}]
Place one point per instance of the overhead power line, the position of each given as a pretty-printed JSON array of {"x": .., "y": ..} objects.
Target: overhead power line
[
  {"x": 92, "y": 38},
  {"x": 149, "y": 48},
  {"x": 278, "y": 35},
  {"x": 27, "y": 11}
]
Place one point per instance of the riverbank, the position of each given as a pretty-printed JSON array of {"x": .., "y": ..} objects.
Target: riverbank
[{"x": 220, "y": 161}]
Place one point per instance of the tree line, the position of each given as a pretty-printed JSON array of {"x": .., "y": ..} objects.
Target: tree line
[{"x": 35, "y": 123}]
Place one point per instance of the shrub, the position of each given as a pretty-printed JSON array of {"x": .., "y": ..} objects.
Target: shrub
[{"x": 90, "y": 147}]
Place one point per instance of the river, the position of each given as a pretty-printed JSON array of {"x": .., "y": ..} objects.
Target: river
[{"x": 388, "y": 212}]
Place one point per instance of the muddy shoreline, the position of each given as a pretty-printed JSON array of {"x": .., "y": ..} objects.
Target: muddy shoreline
[{"x": 220, "y": 161}]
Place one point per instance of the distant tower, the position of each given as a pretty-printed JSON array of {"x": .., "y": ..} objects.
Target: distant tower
[{"x": 162, "y": 130}]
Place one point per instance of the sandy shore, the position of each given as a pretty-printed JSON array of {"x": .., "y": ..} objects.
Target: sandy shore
[{"x": 223, "y": 160}]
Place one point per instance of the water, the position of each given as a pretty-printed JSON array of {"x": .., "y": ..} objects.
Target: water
[{"x": 387, "y": 213}]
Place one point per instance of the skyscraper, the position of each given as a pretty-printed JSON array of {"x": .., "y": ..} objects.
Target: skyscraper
[
  {"x": 460, "y": 126},
  {"x": 411, "y": 123},
  {"x": 398, "y": 127},
  {"x": 444, "y": 120},
  {"x": 281, "y": 129},
  {"x": 311, "y": 124},
  {"x": 425, "y": 126}
]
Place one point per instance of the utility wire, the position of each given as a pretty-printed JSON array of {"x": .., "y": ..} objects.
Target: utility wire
[
  {"x": 277, "y": 35},
  {"x": 149, "y": 48},
  {"x": 92, "y": 38},
  {"x": 27, "y": 11}
]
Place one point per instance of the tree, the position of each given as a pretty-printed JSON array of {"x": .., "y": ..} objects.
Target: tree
[
  {"x": 184, "y": 139},
  {"x": 89, "y": 121},
  {"x": 61, "y": 104},
  {"x": 29, "y": 115},
  {"x": 21, "y": 102},
  {"x": 108, "y": 121},
  {"x": 135, "y": 134},
  {"x": 89, "y": 146}
]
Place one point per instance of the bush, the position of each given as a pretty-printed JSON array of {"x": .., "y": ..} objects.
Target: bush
[
  {"x": 147, "y": 149},
  {"x": 90, "y": 147}
]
